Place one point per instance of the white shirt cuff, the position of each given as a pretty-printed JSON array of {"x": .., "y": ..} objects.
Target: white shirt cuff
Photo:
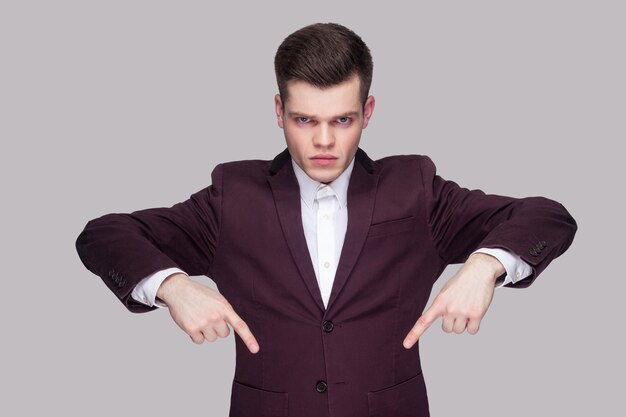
[
  {"x": 516, "y": 268},
  {"x": 145, "y": 292}
]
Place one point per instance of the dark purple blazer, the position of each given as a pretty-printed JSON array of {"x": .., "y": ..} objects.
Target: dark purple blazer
[{"x": 405, "y": 224}]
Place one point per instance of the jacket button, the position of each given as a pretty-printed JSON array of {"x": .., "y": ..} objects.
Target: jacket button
[
  {"x": 321, "y": 386},
  {"x": 543, "y": 243},
  {"x": 533, "y": 252},
  {"x": 328, "y": 326}
]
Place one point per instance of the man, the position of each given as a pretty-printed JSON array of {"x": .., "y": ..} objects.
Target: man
[{"x": 323, "y": 253}]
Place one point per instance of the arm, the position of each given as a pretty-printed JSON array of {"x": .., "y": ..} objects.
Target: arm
[
  {"x": 123, "y": 249},
  {"x": 146, "y": 291},
  {"x": 515, "y": 268},
  {"x": 460, "y": 220}
]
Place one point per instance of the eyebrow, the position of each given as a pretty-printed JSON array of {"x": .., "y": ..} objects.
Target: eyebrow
[{"x": 310, "y": 116}]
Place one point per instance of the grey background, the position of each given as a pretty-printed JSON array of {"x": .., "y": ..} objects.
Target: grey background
[{"x": 120, "y": 105}]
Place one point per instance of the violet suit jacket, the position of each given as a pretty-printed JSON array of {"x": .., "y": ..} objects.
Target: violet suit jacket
[{"x": 405, "y": 224}]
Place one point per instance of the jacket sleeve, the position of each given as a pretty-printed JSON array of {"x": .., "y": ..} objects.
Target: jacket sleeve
[
  {"x": 125, "y": 248},
  {"x": 461, "y": 220}
]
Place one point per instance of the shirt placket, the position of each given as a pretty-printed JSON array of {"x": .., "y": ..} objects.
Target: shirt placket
[{"x": 327, "y": 265}]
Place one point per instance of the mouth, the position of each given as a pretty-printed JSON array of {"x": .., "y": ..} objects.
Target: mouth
[{"x": 323, "y": 159}]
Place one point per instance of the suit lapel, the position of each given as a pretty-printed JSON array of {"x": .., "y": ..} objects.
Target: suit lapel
[
  {"x": 361, "y": 198},
  {"x": 286, "y": 193}
]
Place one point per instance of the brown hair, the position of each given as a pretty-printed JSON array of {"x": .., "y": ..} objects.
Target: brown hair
[{"x": 324, "y": 55}]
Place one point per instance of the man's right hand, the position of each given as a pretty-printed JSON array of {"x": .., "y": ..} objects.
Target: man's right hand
[{"x": 202, "y": 312}]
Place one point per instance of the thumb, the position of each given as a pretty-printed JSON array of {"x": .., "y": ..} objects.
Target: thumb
[{"x": 422, "y": 324}]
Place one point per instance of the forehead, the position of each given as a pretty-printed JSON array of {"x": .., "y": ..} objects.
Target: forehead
[{"x": 305, "y": 98}]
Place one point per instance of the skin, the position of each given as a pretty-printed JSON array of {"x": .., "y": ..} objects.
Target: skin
[
  {"x": 463, "y": 301},
  {"x": 323, "y": 129}
]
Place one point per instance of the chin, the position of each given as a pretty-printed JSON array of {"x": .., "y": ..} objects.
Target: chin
[
  {"x": 327, "y": 178},
  {"x": 324, "y": 176}
]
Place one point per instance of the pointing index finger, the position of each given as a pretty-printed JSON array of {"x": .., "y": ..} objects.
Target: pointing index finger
[
  {"x": 422, "y": 324},
  {"x": 242, "y": 329}
]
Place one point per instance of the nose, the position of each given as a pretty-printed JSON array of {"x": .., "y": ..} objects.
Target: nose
[{"x": 324, "y": 136}]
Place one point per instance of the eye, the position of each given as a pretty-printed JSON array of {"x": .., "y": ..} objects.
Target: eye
[
  {"x": 343, "y": 120},
  {"x": 303, "y": 120}
]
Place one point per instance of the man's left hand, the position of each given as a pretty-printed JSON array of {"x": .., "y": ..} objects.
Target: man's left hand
[{"x": 463, "y": 300}]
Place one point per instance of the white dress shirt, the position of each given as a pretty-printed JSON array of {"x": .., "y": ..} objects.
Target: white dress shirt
[
  {"x": 329, "y": 226},
  {"x": 325, "y": 223}
]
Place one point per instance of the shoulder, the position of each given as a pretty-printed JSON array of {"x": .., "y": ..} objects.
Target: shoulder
[
  {"x": 253, "y": 166},
  {"x": 229, "y": 174},
  {"x": 393, "y": 160},
  {"x": 405, "y": 164}
]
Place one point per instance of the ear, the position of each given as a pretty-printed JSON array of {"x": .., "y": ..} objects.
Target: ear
[
  {"x": 278, "y": 104},
  {"x": 368, "y": 110}
]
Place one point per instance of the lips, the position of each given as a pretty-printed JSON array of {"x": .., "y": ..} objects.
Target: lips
[{"x": 323, "y": 159}]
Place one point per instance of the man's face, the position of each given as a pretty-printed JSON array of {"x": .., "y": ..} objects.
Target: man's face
[{"x": 323, "y": 126}]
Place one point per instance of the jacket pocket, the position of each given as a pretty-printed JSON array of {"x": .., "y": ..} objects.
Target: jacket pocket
[
  {"x": 248, "y": 401},
  {"x": 406, "y": 399},
  {"x": 392, "y": 227}
]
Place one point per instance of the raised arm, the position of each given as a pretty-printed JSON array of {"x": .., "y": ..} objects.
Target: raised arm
[
  {"x": 460, "y": 220},
  {"x": 123, "y": 249}
]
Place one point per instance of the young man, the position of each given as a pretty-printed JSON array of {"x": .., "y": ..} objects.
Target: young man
[{"x": 323, "y": 253}]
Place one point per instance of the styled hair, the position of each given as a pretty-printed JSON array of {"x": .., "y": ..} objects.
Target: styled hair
[{"x": 323, "y": 55}]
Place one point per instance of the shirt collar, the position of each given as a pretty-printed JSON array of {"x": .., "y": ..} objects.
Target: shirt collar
[{"x": 308, "y": 186}]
